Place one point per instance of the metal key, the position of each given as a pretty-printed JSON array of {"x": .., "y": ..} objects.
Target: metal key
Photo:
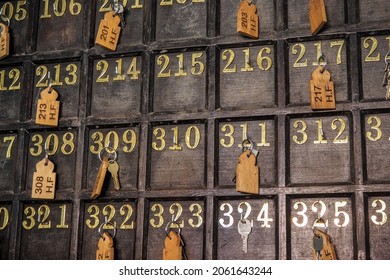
[
  {"x": 318, "y": 245},
  {"x": 244, "y": 228},
  {"x": 113, "y": 168}
]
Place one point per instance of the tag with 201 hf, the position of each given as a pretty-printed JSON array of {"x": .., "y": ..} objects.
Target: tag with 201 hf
[
  {"x": 248, "y": 20},
  {"x": 48, "y": 108},
  {"x": 4, "y": 41},
  {"x": 109, "y": 31},
  {"x": 44, "y": 180},
  {"x": 247, "y": 172},
  {"x": 322, "y": 96}
]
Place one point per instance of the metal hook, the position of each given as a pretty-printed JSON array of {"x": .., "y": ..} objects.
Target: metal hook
[
  {"x": 168, "y": 225},
  {"x": 245, "y": 143},
  {"x": 322, "y": 59},
  {"x": 106, "y": 222},
  {"x": 50, "y": 80},
  {"x": 3, "y": 16},
  {"x": 321, "y": 224},
  {"x": 109, "y": 150},
  {"x": 46, "y": 155}
]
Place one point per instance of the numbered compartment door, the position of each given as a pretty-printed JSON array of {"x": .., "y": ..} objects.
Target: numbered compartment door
[{"x": 45, "y": 231}]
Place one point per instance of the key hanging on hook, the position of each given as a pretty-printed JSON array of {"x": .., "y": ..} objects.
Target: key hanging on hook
[
  {"x": 247, "y": 171},
  {"x": 109, "y": 27},
  {"x": 105, "y": 249},
  {"x": 44, "y": 179},
  {"x": 48, "y": 107},
  {"x": 248, "y": 20},
  {"x": 322, "y": 93},
  {"x": 386, "y": 76},
  {"x": 174, "y": 247}
]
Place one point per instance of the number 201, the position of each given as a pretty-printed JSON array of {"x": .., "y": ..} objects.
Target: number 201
[{"x": 170, "y": 2}]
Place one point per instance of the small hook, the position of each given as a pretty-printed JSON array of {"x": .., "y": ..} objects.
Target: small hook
[
  {"x": 50, "y": 80},
  {"x": 46, "y": 155},
  {"x": 322, "y": 59},
  {"x": 167, "y": 227},
  {"x": 3, "y": 16},
  {"x": 106, "y": 223}
]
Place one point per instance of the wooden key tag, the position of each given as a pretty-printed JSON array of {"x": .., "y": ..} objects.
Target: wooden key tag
[
  {"x": 105, "y": 249},
  {"x": 97, "y": 187},
  {"x": 248, "y": 20},
  {"x": 247, "y": 173},
  {"x": 4, "y": 41},
  {"x": 328, "y": 251},
  {"x": 44, "y": 180},
  {"x": 317, "y": 15},
  {"x": 322, "y": 94},
  {"x": 109, "y": 30},
  {"x": 48, "y": 108},
  {"x": 172, "y": 247}
]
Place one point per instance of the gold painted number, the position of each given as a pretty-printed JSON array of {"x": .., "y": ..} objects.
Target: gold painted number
[
  {"x": 60, "y": 7},
  {"x": 302, "y": 50},
  {"x": 10, "y": 140},
  {"x": 4, "y": 218},
  {"x": 52, "y": 144},
  {"x": 301, "y": 131},
  {"x": 196, "y": 210},
  {"x": 301, "y": 213},
  {"x": 373, "y": 46},
  {"x": 127, "y": 211},
  {"x": 376, "y": 127},
  {"x": 157, "y": 210}
]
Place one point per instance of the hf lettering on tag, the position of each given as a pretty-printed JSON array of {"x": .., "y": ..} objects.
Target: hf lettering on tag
[
  {"x": 48, "y": 108},
  {"x": 109, "y": 30},
  {"x": 105, "y": 249},
  {"x": 4, "y": 41},
  {"x": 44, "y": 180},
  {"x": 322, "y": 96},
  {"x": 248, "y": 20},
  {"x": 317, "y": 15}
]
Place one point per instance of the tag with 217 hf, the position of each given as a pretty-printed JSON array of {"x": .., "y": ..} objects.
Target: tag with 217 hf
[
  {"x": 248, "y": 20},
  {"x": 109, "y": 31},
  {"x": 44, "y": 180},
  {"x": 4, "y": 41},
  {"x": 322, "y": 96},
  {"x": 48, "y": 108}
]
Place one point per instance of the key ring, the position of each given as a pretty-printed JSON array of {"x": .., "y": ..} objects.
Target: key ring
[
  {"x": 322, "y": 58},
  {"x": 168, "y": 226},
  {"x": 245, "y": 143},
  {"x": 7, "y": 19},
  {"x": 109, "y": 150},
  {"x": 100, "y": 230},
  {"x": 320, "y": 223}
]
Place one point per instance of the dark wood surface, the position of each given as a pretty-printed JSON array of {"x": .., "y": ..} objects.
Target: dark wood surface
[{"x": 174, "y": 100}]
